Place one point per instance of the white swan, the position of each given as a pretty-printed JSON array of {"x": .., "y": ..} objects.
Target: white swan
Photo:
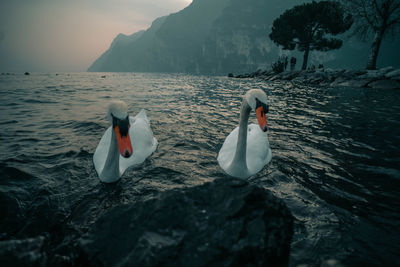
[
  {"x": 129, "y": 141},
  {"x": 246, "y": 149}
]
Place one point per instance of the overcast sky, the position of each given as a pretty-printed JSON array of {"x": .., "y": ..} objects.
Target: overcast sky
[{"x": 68, "y": 35}]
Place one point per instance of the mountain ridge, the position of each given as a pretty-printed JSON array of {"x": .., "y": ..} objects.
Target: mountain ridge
[{"x": 219, "y": 37}]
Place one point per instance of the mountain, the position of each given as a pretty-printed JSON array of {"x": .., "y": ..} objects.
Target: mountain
[{"x": 218, "y": 37}]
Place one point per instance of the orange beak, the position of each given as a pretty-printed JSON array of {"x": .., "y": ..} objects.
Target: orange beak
[
  {"x": 262, "y": 119},
  {"x": 124, "y": 143}
]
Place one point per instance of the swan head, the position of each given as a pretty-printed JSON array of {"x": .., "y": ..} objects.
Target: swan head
[
  {"x": 117, "y": 114},
  {"x": 258, "y": 102}
]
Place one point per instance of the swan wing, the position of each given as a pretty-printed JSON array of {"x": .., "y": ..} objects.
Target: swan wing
[
  {"x": 228, "y": 149},
  {"x": 100, "y": 155},
  {"x": 142, "y": 115},
  {"x": 142, "y": 139},
  {"x": 258, "y": 152}
]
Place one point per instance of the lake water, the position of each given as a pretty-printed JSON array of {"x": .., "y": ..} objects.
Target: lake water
[{"x": 336, "y": 156}]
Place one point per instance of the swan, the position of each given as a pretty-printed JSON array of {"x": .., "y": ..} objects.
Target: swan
[
  {"x": 127, "y": 142},
  {"x": 246, "y": 149}
]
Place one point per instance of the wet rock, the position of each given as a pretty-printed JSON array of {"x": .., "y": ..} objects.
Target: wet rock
[
  {"x": 353, "y": 73},
  {"x": 376, "y": 74},
  {"x": 60, "y": 261},
  {"x": 26, "y": 252},
  {"x": 333, "y": 78},
  {"x": 331, "y": 263},
  {"x": 230, "y": 75},
  {"x": 290, "y": 75},
  {"x": 317, "y": 77},
  {"x": 223, "y": 223},
  {"x": 393, "y": 74},
  {"x": 386, "y": 69},
  {"x": 360, "y": 72},
  {"x": 27, "y": 73},
  {"x": 355, "y": 83},
  {"x": 385, "y": 84}
]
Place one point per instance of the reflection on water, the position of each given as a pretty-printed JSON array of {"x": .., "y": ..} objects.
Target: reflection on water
[{"x": 336, "y": 155}]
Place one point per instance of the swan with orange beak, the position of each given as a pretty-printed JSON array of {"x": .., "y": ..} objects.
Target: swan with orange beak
[
  {"x": 127, "y": 142},
  {"x": 246, "y": 149}
]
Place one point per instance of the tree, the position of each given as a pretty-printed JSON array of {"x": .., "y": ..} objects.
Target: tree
[
  {"x": 311, "y": 27},
  {"x": 376, "y": 17}
]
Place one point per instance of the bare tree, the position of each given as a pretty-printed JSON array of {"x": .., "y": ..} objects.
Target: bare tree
[{"x": 379, "y": 18}]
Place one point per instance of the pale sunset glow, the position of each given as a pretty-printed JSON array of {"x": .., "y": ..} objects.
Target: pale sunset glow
[{"x": 60, "y": 36}]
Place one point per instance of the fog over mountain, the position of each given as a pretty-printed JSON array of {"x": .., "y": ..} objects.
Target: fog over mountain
[{"x": 218, "y": 37}]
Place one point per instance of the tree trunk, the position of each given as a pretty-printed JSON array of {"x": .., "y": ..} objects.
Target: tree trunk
[
  {"x": 305, "y": 58},
  {"x": 373, "y": 56}
]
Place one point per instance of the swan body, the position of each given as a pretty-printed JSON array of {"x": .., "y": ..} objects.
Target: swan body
[
  {"x": 246, "y": 149},
  {"x": 109, "y": 160}
]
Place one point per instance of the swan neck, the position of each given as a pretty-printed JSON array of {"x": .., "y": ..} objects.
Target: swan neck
[
  {"x": 111, "y": 166},
  {"x": 240, "y": 156}
]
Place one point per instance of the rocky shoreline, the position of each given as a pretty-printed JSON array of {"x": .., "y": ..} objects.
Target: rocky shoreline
[
  {"x": 385, "y": 78},
  {"x": 227, "y": 222}
]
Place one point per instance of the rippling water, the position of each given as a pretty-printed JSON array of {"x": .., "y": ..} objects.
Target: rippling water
[{"x": 336, "y": 156}]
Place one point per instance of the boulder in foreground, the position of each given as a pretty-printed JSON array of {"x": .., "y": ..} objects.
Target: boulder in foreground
[
  {"x": 223, "y": 223},
  {"x": 25, "y": 252}
]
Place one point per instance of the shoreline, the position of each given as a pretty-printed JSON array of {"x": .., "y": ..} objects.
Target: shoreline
[{"x": 385, "y": 78}]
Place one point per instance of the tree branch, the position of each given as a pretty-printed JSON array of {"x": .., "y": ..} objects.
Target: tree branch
[
  {"x": 366, "y": 16},
  {"x": 378, "y": 8}
]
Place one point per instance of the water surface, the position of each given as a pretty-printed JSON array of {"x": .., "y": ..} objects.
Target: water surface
[{"x": 336, "y": 156}]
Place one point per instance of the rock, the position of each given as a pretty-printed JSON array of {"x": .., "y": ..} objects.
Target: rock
[
  {"x": 27, "y": 73},
  {"x": 267, "y": 72},
  {"x": 230, "y": 75},
  {"x": 372, "y": 74},
  {"x": 360, "y": 72},
  {"x": 299, "y": 79},
  {"x": 277, "y": 77},
  {"x": 385, "y": 84},
  {"x": 60, "y": 261},
  {"x": 26, "y": 252},
  {"x": 355, "y": 83},
  {"x": 317, "y": 77},
  {"x": 392, "y": 74},
  {"x": 258, "y": 72},
  {"x": 353, "y": 73},
  {"x": 386, "y": 70},
  {"x": 376, "y": 74},
  {"x": 223, "y": 223},
  {"x": 290, "y": 75},
  {"x": 338, "y": 81},
  {"x": 331, "y": 263}
]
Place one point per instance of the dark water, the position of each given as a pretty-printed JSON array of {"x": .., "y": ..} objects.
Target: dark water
[{"x": 336, "y": 156}]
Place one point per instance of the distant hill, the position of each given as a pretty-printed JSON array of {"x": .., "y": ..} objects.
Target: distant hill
[{"x": 219, "y": 37}]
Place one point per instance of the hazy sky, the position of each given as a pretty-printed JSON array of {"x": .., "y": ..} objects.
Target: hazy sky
[{"x": 68, "y": 35}]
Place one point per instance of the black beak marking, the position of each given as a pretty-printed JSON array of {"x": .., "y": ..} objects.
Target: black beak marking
[
  {"x": 263, "y": 105},
  {"x": 123, "y": 125}
]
